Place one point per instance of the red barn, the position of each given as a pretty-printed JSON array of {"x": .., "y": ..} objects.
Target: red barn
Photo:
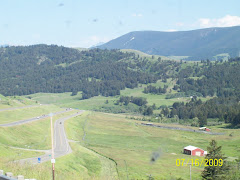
[
  {"x": 194, "y": 151},
  {"x": 207, "y": 129}
]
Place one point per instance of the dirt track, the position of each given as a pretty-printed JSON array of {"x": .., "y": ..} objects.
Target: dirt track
[{"x": 181, "y": 129}]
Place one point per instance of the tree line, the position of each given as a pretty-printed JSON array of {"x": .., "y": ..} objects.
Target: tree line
[
  {"x": 55, "y": 69},
  {"x": 155, "y": 90},
  {"x": 225, "y": 109}
]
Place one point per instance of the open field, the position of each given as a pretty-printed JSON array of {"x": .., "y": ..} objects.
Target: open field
[
  {"x": 131, "y": 145},
  {"x": 26, "y": 113},
  {"x": 178, "y": 58},
  {"x": 15, "y": 101},
  {"x": 98, "y": 102},
  {"x": 100, "y": 136},
  {"x": 142, "y": 54}
]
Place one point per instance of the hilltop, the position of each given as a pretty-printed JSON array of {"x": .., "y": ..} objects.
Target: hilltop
[{"x": 198, "y": 44}]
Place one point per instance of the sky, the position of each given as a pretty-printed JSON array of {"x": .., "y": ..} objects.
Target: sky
[{"x": 81, "y": 23}]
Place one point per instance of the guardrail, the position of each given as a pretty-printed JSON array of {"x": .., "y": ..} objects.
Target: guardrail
[{"x": 9, "y": 176}]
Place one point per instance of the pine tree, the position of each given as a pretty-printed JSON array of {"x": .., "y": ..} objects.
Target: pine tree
[
  {"x": 202, "y": 119},
  {"x": 210, "y": 171}
]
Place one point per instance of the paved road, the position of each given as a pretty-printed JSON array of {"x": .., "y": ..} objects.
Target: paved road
[
  {"x": 181, "y": 129},
  {"x": 33, "y": 119},
  {"x": 61, "y": 144},
  {"x": 14, "y": 108}
]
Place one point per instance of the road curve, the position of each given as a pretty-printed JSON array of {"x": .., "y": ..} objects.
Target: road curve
[
  {"x": 61, "y": 144},
  {"x": 32, "y": 119}
]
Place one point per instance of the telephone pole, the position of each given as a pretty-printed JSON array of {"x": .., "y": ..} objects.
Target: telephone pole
[
  {"x": 190, "y": 165},
  {"x": 52, "y": 160}
]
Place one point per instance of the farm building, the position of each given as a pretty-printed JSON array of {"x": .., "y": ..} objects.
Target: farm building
[
  {"x": 194, "y": 151},
  {"x": 204, "y": 129}
]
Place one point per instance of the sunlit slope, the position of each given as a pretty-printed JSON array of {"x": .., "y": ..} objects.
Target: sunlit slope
[
  {"x": 82, "y": 163},
  {"x": 15, "y": 101},
  {"x": 26, "y": 113},
  {"x": 131, "y": 145}
]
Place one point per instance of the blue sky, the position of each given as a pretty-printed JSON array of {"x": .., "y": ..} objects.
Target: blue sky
[{"x": 78, "y": 23}]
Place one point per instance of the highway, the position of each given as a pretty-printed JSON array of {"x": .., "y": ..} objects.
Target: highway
[
  {"x": 61, "y": 144},
  {"x": 32, "y": 119}
]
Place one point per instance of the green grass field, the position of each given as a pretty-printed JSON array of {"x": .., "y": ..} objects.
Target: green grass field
[
  {"x": 131, "y": 145},
  {"x": 97, "y": 102},
  {"x": 10, "y": 154},
  {"x": 103, "y": 139},
  {"x": 142, "y": 54},
  {"x": 26, "y": 113},
  {"x": 15, "y": 101}
]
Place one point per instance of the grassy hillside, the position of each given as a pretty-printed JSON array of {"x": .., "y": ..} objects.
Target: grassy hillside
[
  {"x": 26, "y": 113},
  {"x": 34, "y": 135},
  {"x": 99, "y": 102},
  {"x": 10, "y": 154},
  {"x": 131, "y": 145},
  {"x": 15, "y": 101},
  {"x": 81, "y": 164},
  {"x": 142, "y": 54},
  {"x": 109, "y": 146}
]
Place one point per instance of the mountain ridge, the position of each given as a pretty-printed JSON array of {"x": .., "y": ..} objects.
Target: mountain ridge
[{"x": 198, "y": 44}]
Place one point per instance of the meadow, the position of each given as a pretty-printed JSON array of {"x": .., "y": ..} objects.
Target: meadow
[
  {"x": 131, "y": 145},
  {"x": 108, "y": 146},
  {"x": 26, "y": 113},
  {"x": 15, "y": 101},
  {"x": 99, "y": 102},
  {"x": 105, "y": 145}
]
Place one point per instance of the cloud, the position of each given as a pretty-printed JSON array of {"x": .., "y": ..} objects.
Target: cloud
[
  {"x": 171, "y": 30},
  {"x": 226, "y": 21},
  {"x": 137, "y": 15}
]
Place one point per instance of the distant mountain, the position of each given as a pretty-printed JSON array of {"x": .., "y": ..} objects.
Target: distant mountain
[
  {"x": 198, "y": 44},
  {"x": 98, "y": 44}
]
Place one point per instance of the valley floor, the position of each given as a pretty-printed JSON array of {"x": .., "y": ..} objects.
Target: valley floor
[{"x": 106, "y": 146}]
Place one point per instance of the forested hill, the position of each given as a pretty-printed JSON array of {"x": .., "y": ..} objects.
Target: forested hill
[
  {"x": 54, "y": 69},
  {"x": 42, "y": 68},
  {"x": 198, "y": 44}
]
